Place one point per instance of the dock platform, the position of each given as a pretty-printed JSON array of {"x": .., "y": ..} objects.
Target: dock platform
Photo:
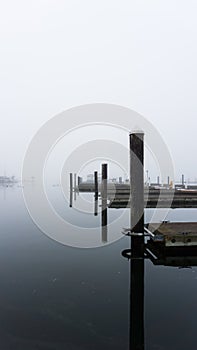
[{"x": 174, "y": 234}]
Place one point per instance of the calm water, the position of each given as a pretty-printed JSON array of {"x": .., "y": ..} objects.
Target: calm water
[{"x": 59, "y": 297}]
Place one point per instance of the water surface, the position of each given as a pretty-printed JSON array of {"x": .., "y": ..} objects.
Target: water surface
[{"x": 59, "y": 297}]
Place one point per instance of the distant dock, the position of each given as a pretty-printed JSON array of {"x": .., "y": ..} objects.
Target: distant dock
[{"x": 118, "y": 196}]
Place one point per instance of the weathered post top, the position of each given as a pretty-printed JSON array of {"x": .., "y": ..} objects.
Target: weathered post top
[
  {"x": 96, "y": 182},
  {"x": 104, "y": 181},
  {"x": 137, "y": 180}
]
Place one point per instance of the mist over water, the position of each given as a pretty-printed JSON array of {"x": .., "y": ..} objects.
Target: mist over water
[
  {"x": 56, "y": 55},
  {"x": 54, "y": 297}
]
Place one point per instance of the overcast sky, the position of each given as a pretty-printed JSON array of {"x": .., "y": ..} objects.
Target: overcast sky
[{"x": 56, "y": 54}]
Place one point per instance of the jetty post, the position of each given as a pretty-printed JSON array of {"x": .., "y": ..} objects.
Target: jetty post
[
  {"x": 137, "y": 241},
  {"x": 96, "y": 184},
  {"x": 104, "y": 203},
  {"x": 79, "y": 181},
  {"x": 104, "y": 181},
  {"x": 183, "y": 180},
  {"x": 137, "y": 183},
  {"x": 71, "y": 189}
]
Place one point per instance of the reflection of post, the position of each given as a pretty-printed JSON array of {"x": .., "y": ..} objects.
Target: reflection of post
[
  {"x": 104, "y": 223},
  {"x": 71, "y": 189},
  {"x": 75, "y": 182},
  {"x": 75, "y": 187},
  {"x": 104, "y": 203},
  {"x": 137, "y": 303},
  {"x": 96, "y": 193},
  {"x": 137, "y": 241},
  {"x": 95, "y": 206}
]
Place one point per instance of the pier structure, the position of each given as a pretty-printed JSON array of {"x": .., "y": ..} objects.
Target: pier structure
[
  {"x": 133, "y": 195},
  {"x": 169, "y": 244}
]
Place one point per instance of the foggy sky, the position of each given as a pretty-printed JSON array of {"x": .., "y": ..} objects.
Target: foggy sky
[{"x": 58, "y": 54}]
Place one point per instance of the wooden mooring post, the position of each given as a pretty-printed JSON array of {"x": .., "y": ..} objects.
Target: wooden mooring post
[
  {"x": 183, "y": 180},
  {"x": 137, "y": 185},
  {"x": 104, "y": 203},
  {"x": 96, "y": 184},
  {"x": 104, "y": 181},
  {"x": 137, "y": 242},
  {"x": 79, "y": 180}
]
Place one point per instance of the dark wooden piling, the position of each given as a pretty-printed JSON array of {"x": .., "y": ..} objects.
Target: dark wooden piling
[
  {"x": 96, "y": 184},
  {"x": 104, "y": 181},
  {"x": 137, "y": 242},
  {"x": 137, "y": 182},
  {"x": 104, "y": 203},
  {"x": 79, "y": 180},
  {"x": 168, "y": 181},
  {"x": 158, "y": 182},
  {"x": 183, "y": 180}
]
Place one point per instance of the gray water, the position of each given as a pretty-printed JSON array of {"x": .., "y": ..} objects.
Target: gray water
[{"x": 57, "y": 297}]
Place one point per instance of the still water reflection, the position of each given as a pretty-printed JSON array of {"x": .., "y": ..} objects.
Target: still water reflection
[{"x": 58, "y": 297}]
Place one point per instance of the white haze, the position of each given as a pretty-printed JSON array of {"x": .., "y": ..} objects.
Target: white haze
[{"x": 58, "y": 54}]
